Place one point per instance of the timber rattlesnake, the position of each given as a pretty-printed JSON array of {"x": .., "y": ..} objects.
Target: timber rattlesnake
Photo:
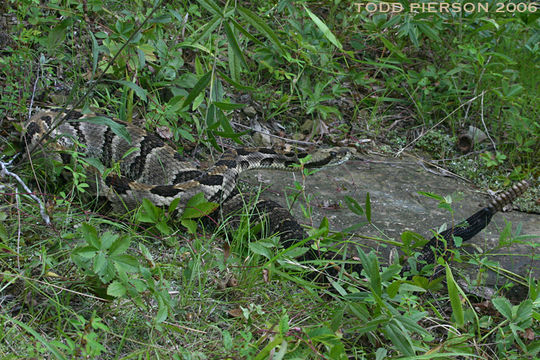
[{"x": 153, "y": 170}]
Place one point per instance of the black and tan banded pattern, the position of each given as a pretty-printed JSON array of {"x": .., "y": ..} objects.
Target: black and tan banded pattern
[{"x": 154, "y": 170}]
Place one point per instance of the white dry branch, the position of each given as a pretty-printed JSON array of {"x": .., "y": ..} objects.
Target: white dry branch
[{"x": 5, "y": 172}]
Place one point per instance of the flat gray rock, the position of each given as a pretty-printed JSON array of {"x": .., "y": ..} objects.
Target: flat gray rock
[{"x": 396, "y": 206}]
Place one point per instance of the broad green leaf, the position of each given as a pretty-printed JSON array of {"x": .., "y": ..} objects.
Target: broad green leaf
[
  {"x": 198, "y": 88},
  {"x": 90, "y": 235},
  {"x": 260, "y": 25},
  {"x": 141, "y": 93},
  {"x": 354, "y": 206},
  {"x": 116, "y": 289},
  {"x": 210, "y": 6},
  {"x": 324, "y": 29},
  {"x": 95, "y": 54},
  {"x": 100, "y": 263},
  {"x": 107, "y": 240},
  {"x": 124, "y": 262},
  {"x": 431, "y": 195},
  {"x": 524, "y": 312},
  {"x": 120, "y": 245},
  {"x": 284, "y": 324},
  {"x": 162, "y": 313},
  {"x": 173, "y": 205},
  {"x": 399, "y": 338},
  {"x": 58, "y": 34},
  {"x": 260, "y": 249},
  {"x": 455, "y": 300},
  {"x": 150, "y": 212},
  {"x": 388, "y": 44},
  {"x": 503, "y": 306},
  {"x": 324, "y": 226},
  {"x": 233, "y": 43},
  {"x": 190, "y": 225},
  {"x": 206, "y": 30}
]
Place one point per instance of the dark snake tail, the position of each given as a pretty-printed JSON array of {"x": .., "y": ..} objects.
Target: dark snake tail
[
  {"x": 282, "y": 222},
  {"x": 467, "y": 229}
]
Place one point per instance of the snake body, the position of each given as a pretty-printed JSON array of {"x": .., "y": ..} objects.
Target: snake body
[{"x": 151, "y": 169}]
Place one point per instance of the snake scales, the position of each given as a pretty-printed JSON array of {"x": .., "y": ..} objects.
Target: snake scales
[{"x": 151, "y": 169}]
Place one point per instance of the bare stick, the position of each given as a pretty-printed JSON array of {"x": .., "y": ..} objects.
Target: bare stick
[
  {"x": 440, "y": 122},
  {"x": 5, "y": 172}
]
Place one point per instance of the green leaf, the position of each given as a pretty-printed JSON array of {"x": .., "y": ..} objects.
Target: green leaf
[
  {"x": 233, "y": 43},
  {"x": 190, "y": 225},
  {"x": 124, "y": 262},
  {"x": 57, "y": 35},
  {"x": 455, "y": 300},
  {"x": 107, "y": 240},
  {"x": 324, "y": 227},
  {"x": 120, "y": 245},
  {"x": 228, "y": 106},
  {"x": 141, "y": 93},
  {"x": 206, "y": 30},
  {"x": 392, "y": 48},
  {"x": 95, "y": 54},
  {"x": 354, "y": 206},
  {"x": 284, "y": 324},
  {"x": 431, "y": 195},
  {"x": 324, "y": 29},
  {"x": 100, "y": 263},
  {"x": 173, "y": 205},
  {"x": 260, "y": 249},
  {"x": 86, "y": 252},
  {"x": 524, "y": 314},
  {"x": 260, "y": 25},
  {"x": 337, "y": 318},
  {"x": 393, "y": 288},
  {"x": 408, "y": 237},
  {"x": 210, "y": 6},
  {"x": 90, "y": 235},
  {"x": 162, "y": 313},
  {"x": 503, "y": 306},
  {"x": 227, "y": 340},
  {"x": 150, "y": 213},
  {"x": 368, "y": 208},
  {"x": 198, "y": 88},
  {"x": 3, "y": 233},
  {"x": 163, "y": 228},
  {"x": 116, "y": 289},
  {"x": 115, "y": 127},
  {"x": 398, "y": 337},
  {"x": 371, "y": 267}
]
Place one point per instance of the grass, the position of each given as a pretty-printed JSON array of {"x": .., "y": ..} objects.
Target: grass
[{"x": 96, "y": 285}]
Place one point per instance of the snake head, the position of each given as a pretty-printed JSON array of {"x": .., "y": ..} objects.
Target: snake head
[{"x": 330, "y": 157}]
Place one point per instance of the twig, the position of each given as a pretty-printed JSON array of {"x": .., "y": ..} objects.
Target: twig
[
  {"x": 484, "y": 123},
  {"x": 18, "y": 199},
  {"x": 40, "y": 71},
  {"x": 300, "y": 142},
  {"x": 440, "y": 122},
  {"x": 5, "y": 172}
]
